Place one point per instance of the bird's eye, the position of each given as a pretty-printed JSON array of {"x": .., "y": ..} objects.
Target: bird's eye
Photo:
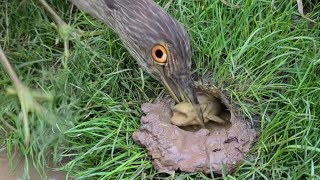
[{"x": 159, "y": 53}]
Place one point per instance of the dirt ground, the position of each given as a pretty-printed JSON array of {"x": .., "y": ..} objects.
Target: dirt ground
[{"x": 18, "y": 171}]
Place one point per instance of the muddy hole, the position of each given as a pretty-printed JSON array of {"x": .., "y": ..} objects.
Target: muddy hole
[
  {"x": 175, "y": 141},
  {"x": 212, "y": 125}
]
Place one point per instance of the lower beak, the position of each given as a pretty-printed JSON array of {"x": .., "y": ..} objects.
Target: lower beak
[{"x": 182, "y": 89}]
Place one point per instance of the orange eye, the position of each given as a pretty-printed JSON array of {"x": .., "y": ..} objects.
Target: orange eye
[{"x": 159, "y": 53}]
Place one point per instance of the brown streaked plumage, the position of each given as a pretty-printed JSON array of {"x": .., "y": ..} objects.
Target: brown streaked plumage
[{"x": 143, "y": 25}]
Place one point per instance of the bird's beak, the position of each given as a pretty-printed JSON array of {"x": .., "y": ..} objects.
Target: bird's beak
[{"x": 182, "y": 89}]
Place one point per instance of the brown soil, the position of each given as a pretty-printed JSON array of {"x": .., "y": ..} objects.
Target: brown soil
[
  {"x": 189, "y": 148},
  {"x": 18, "y": 169}
]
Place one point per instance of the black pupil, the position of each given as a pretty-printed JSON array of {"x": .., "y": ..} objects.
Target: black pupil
[{"x": 159, "y": 53}]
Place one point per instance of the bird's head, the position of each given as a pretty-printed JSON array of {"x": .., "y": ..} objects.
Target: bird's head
[
  {"x": 157, "y": 41},
  {"x": 160, "y": 44},
  {"x": 170, "y": 63}
]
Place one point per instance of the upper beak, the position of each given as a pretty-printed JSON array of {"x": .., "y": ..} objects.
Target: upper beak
[{"x": 182, "y": 89}]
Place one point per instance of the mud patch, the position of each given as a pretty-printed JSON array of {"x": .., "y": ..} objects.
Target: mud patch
[
  {"x": 189, "y": 148},
  {"x": 18, "y": 171}
]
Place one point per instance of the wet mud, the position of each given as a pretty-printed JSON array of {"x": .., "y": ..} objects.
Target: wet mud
[
  {"x": 6, "y": 173},
  {"x": 189, "y": 148}
]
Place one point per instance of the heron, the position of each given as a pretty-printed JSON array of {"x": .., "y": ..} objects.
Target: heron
[{"x": 157, "y": 41}]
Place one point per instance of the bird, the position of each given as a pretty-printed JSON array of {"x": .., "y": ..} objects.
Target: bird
[{"x": 158, "y": 42}]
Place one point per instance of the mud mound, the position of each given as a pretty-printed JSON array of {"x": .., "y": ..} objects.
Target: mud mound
[{"x": 189, "y": 148}]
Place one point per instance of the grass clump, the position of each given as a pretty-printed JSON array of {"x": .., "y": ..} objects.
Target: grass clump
[{"x": 264, "y": 55}]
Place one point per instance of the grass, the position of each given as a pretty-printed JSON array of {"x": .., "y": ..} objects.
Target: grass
[{"x": 263, "y": 55}]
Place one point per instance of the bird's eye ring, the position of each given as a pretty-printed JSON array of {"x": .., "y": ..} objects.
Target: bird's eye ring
[{"x": 159, "y": 53}]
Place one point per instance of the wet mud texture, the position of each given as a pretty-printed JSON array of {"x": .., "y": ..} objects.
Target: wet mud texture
[
  {"x": 191, "y": 149},
  {"x": 6, "y": 173}
]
